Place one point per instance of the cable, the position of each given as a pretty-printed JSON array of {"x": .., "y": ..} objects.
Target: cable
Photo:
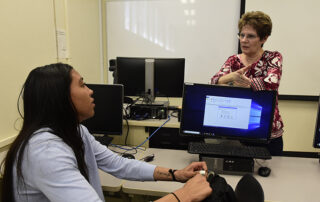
[
  {"x": 123, "y": 148},
  {"x": 138, "y": 147},
  {"x": 126, "y": 118},
  {"x": 260, "y": 163},
  {"x": 173, "y": 114},
  {"x": 169, "y": 117}
]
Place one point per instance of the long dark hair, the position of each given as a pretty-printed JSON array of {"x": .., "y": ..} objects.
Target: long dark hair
[{"x": 46, "y": 103}]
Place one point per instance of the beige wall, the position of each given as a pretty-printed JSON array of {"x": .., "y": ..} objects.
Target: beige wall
[
  {"x": 28, "y": 40},
  {"x": 299, "y": 119}
]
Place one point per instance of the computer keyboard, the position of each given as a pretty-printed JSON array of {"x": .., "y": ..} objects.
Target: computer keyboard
[{"x": 223, "y": 150}]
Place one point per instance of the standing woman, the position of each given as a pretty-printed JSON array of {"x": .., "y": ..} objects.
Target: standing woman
[
  {"x": 255, "y": 67},
  {"x": 55, "y": 158}
]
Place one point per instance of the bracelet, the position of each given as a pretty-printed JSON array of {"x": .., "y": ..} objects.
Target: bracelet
[
  {"x": 172, "y": 174},
  {"x": 175, "y": 196}
]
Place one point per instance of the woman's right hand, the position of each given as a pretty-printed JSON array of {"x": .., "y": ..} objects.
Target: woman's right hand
[
  {"x": 237, "y": 78},
  {"x": 195, "y": 189}
]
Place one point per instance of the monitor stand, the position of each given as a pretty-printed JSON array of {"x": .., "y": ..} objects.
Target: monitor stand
[
  {"x": 227, "y": 165},
  {"x": 103, "y": 139}
]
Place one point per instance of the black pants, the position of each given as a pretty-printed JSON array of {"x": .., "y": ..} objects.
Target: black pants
[{"x": 275, "y": 146}]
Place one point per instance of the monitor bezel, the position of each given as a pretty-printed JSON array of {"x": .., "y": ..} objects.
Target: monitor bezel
[{"x": 219, "y": 136}]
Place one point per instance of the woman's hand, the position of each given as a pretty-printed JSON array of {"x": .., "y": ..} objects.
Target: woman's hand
[
  {"x": 237, "y": 78},
  {"x": 191, "y": 170},
  {"x": 196, "y": 189}
]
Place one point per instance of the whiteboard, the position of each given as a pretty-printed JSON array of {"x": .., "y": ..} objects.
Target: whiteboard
[
  {"x": 204, "y": 32},
  {"x": 296, "y": 35}
]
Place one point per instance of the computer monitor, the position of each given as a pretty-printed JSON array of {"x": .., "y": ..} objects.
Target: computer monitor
[
  {"x": 216, "y": 111},
  {"x": 130, "y": 72},
  {"x": 168, "y": 76},
  {"x": 108, "y": 101},
  {"x": 316, "y": 140}
]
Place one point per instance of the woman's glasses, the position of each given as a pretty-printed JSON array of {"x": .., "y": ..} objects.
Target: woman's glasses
[{"x": 247, "y": 36}]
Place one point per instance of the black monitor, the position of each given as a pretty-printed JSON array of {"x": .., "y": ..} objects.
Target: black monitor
[
  {"x": 108, "y": 101},
  {"x": 168, "y": 76},
  {"x": 130, "y": 73},
  {"x": 316, "y": 140},
  {"x": 215, "y": 111}
]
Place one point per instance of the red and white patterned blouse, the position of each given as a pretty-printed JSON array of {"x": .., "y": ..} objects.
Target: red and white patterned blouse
[{"x": 265, "y": 74}]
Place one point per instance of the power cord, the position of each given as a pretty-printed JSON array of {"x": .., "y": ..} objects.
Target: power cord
[
  {"x": 126, "y": 118},
  {"x": 138, "y": 147}
]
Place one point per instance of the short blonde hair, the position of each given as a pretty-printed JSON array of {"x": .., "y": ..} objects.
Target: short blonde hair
[{"x": 260, "y": 21}]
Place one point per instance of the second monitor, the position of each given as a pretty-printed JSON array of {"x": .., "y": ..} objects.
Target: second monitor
[
  {"x": 107, "y": 119},
  {"x": 167, "y": 76}
]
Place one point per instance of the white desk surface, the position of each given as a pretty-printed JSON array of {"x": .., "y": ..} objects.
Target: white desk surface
[
  {"x": 176, "y": 159},
  {"x": 291, "y": 179},
  {"x": 110, "y": 183}
]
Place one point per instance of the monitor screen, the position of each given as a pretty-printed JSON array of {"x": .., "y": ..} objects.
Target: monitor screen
[
  {"x": 130, "y": 73},
  {"x": 108, "y": 101},
  {"x": 168, "y": 76},
  {"x": 316, "y": 140},
  {"x": 216, "y": 111}
]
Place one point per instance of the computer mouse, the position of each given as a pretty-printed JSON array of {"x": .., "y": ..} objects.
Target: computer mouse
[
  {"x": 264, "y": 171},
  {"x": 128, "y": 156}
]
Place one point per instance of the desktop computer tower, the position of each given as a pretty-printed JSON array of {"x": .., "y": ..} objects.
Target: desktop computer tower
[
  {"x": 169, "y": 138},
  {"x": 228, "y": 165},
  {"x": 155, "y": 110}
]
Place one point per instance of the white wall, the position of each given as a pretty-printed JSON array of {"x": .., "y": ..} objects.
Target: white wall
[
  {"x": 296, "y": 31},
  {"x": 199, "y": 31}
]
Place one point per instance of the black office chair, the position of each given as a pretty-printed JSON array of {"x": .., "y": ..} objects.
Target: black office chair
[
  {"x": 221, "y": 190},
  {"x": 248, "y": 189}
]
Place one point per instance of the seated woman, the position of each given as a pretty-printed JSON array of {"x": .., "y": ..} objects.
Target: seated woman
[{"x": 55, "y": 158}]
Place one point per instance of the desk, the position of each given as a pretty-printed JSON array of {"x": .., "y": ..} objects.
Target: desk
[
  {"x": 138, "y": 132},
  {"x": 177, "y": 159},
  {"x": 173, "y": 123},
  {"x": 110, "y": 183},
  {"x": 291, "y": 179}
]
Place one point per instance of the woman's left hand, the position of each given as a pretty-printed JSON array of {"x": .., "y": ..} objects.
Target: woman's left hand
[
  {"x": 242, "y": 81},
  {"x": 191, "y": 170}
]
